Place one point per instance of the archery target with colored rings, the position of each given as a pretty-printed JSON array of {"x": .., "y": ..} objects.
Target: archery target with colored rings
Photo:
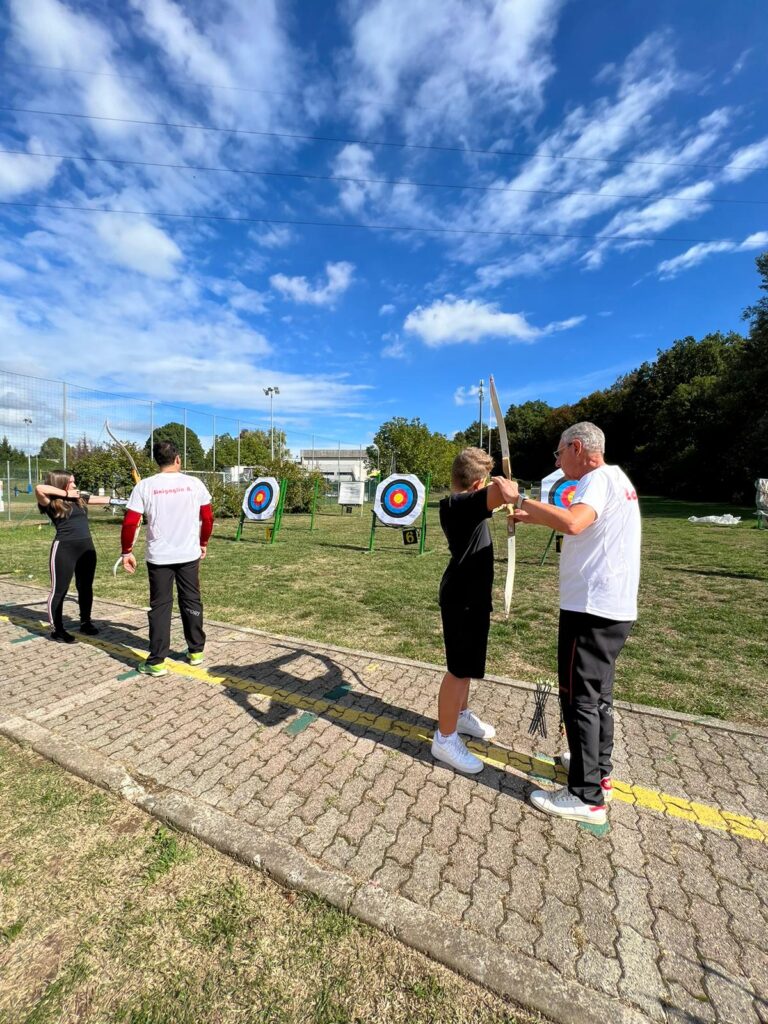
[
  {"x": 261, "y": 498},
  {"x": 399, "y": 500},
  {"x": 561, "y": 493}
]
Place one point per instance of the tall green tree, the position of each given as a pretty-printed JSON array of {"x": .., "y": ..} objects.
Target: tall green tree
[
  {"x": 175, "y": 432},
  {"x": 409, "y": 446}
]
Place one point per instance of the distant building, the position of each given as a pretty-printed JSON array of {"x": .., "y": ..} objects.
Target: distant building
[{"x": 336, "y": 464}]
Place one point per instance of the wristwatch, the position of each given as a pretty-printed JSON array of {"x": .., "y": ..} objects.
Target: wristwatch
[{"x": 520, "y": 500}]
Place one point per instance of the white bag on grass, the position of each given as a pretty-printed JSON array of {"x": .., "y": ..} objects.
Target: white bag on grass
[{"x": 726, "y": 520}]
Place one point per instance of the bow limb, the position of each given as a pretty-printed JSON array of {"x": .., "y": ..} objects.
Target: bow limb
[
  {"x": 506, "y": 468},
  {"x": 135, "y": 476}
]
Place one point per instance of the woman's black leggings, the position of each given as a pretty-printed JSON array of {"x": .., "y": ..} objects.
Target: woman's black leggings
[{"x": 68, "y": 558}]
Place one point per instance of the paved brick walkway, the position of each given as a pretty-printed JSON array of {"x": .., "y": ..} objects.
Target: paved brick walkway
[{"x": 324, "y": 753}]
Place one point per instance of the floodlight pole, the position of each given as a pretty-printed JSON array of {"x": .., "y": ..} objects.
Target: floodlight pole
[
  {"x": 480, "y": 396},
  {"x": 64, "y": 424}
]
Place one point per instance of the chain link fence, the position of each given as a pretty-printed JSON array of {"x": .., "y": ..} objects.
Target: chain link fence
[{"x": 48, "y": 424}]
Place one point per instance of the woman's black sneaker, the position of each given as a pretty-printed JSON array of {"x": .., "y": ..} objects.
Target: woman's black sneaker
[
  {"x": 89, "y": 629},
  {"x": 62, "y": 637}
]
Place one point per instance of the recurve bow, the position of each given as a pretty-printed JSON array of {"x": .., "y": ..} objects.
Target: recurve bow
[
  {"x": 135, "y": 475},
  {"x": 506, "y": 468}
]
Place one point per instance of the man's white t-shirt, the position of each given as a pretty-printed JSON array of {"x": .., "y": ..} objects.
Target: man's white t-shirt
[
  {"x": 171, "y": 502},
  {"x": 600, "y": 567}
]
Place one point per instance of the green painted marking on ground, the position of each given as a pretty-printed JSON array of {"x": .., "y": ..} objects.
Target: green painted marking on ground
[
  {"x": 128, "y": 675},
  {"x": 23, "y": 639},
  {"x": 300, "y": 724},
  {"x": 596, "y": 830},
  {"x": 337, "y": 692}
]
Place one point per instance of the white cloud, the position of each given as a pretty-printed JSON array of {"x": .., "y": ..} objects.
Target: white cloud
[
  {"x": 184, "y": 346},
  {"x": 10, "y": 271},
  {"x": 20, "y": 174},
  {"x": 355, "y": 161},
  {"x": 698, "y": 253},
  {"x": 746, "y": 161},
  {"x": 239, "y": 297},
  {"x": 466, "y": 396},
  {"x": 274, "y": 237},
  {"x": 339, "y": 278},
  {"x": 395, "y": 347},
  {"x": 139, "y": 245},
  {"x": 386, "y": 309},
  {"x": 447, "y": 64},
  {"x": 172, "y": 29},
  {"x": 451, "y": 321}
]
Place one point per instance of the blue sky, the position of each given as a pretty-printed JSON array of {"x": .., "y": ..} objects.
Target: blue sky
[{"x": 646, "y": 114}]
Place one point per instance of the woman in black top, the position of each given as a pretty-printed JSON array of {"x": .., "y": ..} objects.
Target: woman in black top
[{"x": 72, "y": 551}]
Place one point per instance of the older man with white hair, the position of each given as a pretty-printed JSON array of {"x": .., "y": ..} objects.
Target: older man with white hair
[{"x": 599, "y": 576}]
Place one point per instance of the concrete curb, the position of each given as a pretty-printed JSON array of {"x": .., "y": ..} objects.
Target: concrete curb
[
  {"x": 514, "y": 976},
  {"x": 637, "y": 709}
]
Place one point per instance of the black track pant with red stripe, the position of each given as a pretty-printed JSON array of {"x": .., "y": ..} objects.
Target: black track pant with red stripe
[
  {"x": 71, "y": 558},
  {"x": 587, "y": 649}
]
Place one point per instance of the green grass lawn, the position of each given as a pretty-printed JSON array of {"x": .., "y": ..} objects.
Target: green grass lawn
[
  {"x": 699, "y": 644},
  {"x": 107, "y": 917}
]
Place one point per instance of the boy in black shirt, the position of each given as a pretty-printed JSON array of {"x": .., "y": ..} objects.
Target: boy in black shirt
[{"x": 465, "y": 601}]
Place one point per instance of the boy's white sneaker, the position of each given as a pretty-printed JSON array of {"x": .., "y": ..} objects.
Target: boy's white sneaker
[
  {"x": 606, "y": 784},
  {"x": 563, "y": 804},
  {"x": 451, "y": 751},
  {"x": 470, "y": 725}
]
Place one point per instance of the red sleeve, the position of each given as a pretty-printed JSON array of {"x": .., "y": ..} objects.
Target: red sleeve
[
  {"x": 206, "y": 524},
  {"x": 128, "y": 533}
]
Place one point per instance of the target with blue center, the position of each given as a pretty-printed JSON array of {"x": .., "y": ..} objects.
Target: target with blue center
[
  {"x": 261, "y": 498},
  {"x": 399, "y": 500}
]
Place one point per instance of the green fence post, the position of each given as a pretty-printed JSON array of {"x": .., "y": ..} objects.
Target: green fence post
[
  {"x": 314, "y": 503},
  {"x": 423, "y": 537},
  {"x": 546, "y": 549},
  {"x": 279, "y": 511}
]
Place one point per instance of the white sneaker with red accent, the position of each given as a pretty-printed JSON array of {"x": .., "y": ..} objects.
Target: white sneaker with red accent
[
  {"x": 563, "y": 804},
  {"x": 606, "y": 784},
  {"x": 470, "y": 725}
]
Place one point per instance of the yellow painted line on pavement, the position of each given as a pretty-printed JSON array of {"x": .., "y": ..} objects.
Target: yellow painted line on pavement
[{"x": 496, "y": 756}]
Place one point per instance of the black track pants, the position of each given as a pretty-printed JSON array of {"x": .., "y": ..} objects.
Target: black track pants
[
  {"x": 71, "y": 558},
  {"x": 161, "y": 580},
  {"x": 587, "y": 649}
]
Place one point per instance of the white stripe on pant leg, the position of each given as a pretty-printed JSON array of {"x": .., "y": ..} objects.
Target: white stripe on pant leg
[{"x": 54, "y": 549}]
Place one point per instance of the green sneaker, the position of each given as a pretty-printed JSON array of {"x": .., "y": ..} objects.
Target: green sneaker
[
  {"x": 152, "y": 670},
  {"x": 195, "y": 657}
]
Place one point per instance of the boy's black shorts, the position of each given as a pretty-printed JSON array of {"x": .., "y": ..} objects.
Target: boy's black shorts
[{"x": 465, "y": 634}]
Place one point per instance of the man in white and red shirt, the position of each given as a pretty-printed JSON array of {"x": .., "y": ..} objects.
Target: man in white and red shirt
[
  {"x": 599, "y": 577},
  {"x": 179, "y": 517}
]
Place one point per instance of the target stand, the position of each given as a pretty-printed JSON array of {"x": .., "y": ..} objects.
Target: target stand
[
  {"x": 263, "y": 503},
  {"x": 556, "y": 490},
  {"x": 401, "y": 503}
]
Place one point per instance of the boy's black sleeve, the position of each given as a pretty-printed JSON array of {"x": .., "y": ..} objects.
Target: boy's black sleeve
[{"x": 472, "y": 508}]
